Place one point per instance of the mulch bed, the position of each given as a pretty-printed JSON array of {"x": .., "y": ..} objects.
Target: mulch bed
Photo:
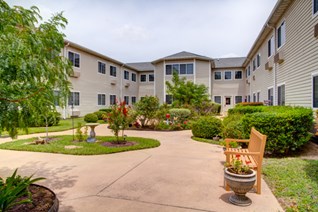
[
  {"x": 110, "y": 144},
  {"x": 43, "y": 200}
]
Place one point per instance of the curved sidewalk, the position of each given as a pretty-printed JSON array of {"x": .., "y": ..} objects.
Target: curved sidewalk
[{"x": 180, "y": 175}]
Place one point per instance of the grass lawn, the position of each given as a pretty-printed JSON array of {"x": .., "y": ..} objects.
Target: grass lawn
[
  {"x": 294, "y": 182},
  {"x": 58, "y": 145},
  {"x": 64, "y": 124},
  {"x": 210, "y": 141}
]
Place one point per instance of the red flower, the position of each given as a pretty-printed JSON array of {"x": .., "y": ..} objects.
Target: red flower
[
  {"x": 185, "y": 122},
  {"x": 168, "y": 116},
  {"x": 125, "y": 111},
  {"x": 237, "y": 156},
  {"x": 248, "y": 162}
]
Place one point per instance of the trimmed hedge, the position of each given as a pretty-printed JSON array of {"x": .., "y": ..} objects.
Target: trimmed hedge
[
  {"x": 100, "y": 114},
  {"x": 250, "y": 104},
  {"x": 207, "y": 127},
  {"x": 287, "y": 128},
  {"x": 107, "y": 110},
  {"x": 90, "y": 118},
  {"x": 246, "y": 109},
  {"x": 180, "y": 114},
  {"x": 53, "y": 119}
]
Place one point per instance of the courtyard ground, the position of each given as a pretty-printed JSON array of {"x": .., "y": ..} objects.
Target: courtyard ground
[{"x": 180, "y": 175}]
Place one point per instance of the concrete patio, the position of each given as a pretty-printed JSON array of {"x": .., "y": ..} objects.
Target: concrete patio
[{"x": 180, "y": 175}]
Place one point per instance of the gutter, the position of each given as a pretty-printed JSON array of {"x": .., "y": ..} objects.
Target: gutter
[{"x": 275, "y": 65}]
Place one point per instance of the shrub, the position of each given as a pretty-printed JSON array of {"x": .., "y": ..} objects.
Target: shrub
[
  {"x": 161, "y": 113},
  {"x": 162, "y": 125},
  {"x": 100, "y": 114},
  {"x": 208, "y": 108},
  {"x": 53, "y": 119},
  {"x": 179, "y": 115},
  {"x": 107, "y": 110},
  {"x": 90, "y": 118},
  {"x": 233, "y": 127},
  {"x": 146, "y": 108},
  {"x": 207, "y": 127},
  {"x": 79, "y": 134},
  {"x": 250, "y": 104},
  {"x": 246, "y": 110},
  {"x": 286, "y": 127}
]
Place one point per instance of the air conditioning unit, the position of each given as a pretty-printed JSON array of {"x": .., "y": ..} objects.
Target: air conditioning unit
[
  {"x": 253, "y": 77},
  {"x": 269, "y": 65},
  {"x": 316, "y": 30},
  {"x": 113, "y": 82},
  {"x": 75, "y": 113},
  {"x": 76, "y": 74},
  {"x": 127, "y": 84},
  {"x": 279, "y": 57}
]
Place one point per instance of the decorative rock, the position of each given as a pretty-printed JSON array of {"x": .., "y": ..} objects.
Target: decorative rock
[{"x": 72, "y": 147}]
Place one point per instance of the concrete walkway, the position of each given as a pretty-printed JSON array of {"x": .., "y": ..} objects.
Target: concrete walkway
[{"x": 180, "y": 175}]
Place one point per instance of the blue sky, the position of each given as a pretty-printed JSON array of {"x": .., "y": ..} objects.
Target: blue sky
[{"x": 145, "y": 30}]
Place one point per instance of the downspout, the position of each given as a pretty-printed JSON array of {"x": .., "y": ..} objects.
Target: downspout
[
  {"x": 274, "y": 66},
  {"x": 121, "y": 82},
  {"x": 64, "y": 55}
]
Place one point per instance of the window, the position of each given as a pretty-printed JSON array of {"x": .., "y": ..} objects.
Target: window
[
  {"x": 254, "y": 64},
  {"x": 281, "y": 95},
  {"x": 254, "y": 97},
  {"x": 281, "y": 35},
  {"x": 133, "y": 100},
  {"x": 270, "y": 47},
  {"x": 248, "y": 70},
  {"x": 126, "y": 75},
  {"x": 113, "y": 71},
  {"x": 238, "y": 74},
  {"x": 101, "y": 68},
  {"x": 133, "y": 77},
  {"x": 101, "y": 99},
  {"x": 228, "y": 75},
  {"x": 151, "y": 77},
  {"x": 249, "y": 98},
  {"x": 181, "y": 69},
  {"x": 315, "y": 2},
  {"x": 56, "y": 95},
  {"x": 270, "y": 96},
  {"x": 315, "y": 91},
  {"x": 74, "y": 99},
  {"x": 74, "y": 58},
  {"x": 112, "y": 99},
  {"x": 168, "y": 99},
  {"x": 238, "y": 99},
  {"x": 168, "y": 69},
  {"x": 217, "y": 75},
  {"x": 258, "y": 96},
  {"x": 143, "y": 78},
  {"x": 217, "y": 99},
  {"x": 258, "y": 60},
  {"x": 227, "y": 100},
  {"x": 126, "y": 99}
]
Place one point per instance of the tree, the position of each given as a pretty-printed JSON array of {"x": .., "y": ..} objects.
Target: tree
[
  {"x": 31, "y": 66},
  {"x": 186, "y": 92},
  {"x": 146, "y": 109}
]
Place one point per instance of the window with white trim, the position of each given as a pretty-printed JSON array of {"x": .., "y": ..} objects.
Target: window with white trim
[
  {"x": 270, "y": 96},
  {"x": 74, "y": 99},
  {"x": 258, "y": 94},
  {"x": 281, "y": 95},
  {"x": 249, "y": 98},
  {"x": 254, "y": 64},
  {"x": 74, "y": 58},
  {"x": 270, "y": 46},
  {"x": 228, "y": 75},
  {"x": 217, "y": 99},
  {"x": 281, "y": 34},
  {"x": 143, "y": 78},
  {"x": 315, "y": 92},
  {"x": 315, "y": 6},
  {"x": 126, "y": 99},
  {"x": 258, "y": 60},
  {"x": 113, "y": 71},
  {"x": 126, "y": 75},
  {"x": 133, "y": 100},
  {"x": 248, "y": 71},
  {"x": 217, "y": 75},
  {"x": 238, "y": 99},
  {"x": 151, "y": 77},
  {"x": 238, "y": 74},
  {"x": 181, "y": 69},
  {"x": 112, "y": 99},
  {"x": 101, "y": 99},
  {"x": 101, "y": 67},
  {"x": 133, "y": 77},
  {"x": 254, "y": 97},
  {"x": 168, "y": 99}
]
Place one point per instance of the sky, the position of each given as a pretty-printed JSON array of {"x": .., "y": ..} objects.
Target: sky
[{"x": 146, "y": 30}]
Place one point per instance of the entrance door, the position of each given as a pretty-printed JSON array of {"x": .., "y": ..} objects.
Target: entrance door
[{"x": 228, "y": 103}]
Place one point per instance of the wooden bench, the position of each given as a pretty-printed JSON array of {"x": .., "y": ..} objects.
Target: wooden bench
[{"x": 254, "y": 153}]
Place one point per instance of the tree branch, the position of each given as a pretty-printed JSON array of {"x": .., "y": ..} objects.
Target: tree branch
[{"x": 22, "y": 99}]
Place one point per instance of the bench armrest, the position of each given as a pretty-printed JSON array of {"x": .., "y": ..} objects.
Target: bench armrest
[
  {"x": 240, "y": 153},
  {"x": 228, "y": 140}
]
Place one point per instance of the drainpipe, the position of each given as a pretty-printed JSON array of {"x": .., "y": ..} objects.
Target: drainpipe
[
  {"x": 121, "y": 82},
  {"x": 274, "y": 66},
  {"x": 65, "y": 55}
]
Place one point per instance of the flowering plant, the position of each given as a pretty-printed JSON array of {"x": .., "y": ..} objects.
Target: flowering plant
[
  {"x": 118, "y": 119},
  {"x": 237, "y": 167}
]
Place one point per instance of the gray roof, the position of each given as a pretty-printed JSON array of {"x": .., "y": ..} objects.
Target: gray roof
[
  {"x": 232, "y": 62},
  {"x": 142, "y": 66},
  {"x": 183, "y": 55}
]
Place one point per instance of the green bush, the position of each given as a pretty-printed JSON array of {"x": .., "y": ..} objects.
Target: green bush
[
  {"x": 179, "y": 115},
  {"x": 246, "y": 109},
  {"x": 146, "y": 109},
  {"x": 107, "y": 110},
  {"x": 90, "y": 118},
  {"x": 250, "y": 104},
  {"x": 208, "y": 108},
  {"x": 233, "y": 127},
  {"x": 207, "y": 127},
  {"x": 286, "y": 127},
  {"x": 53, "y": 119},
  {"x": 100, "y": 114}
]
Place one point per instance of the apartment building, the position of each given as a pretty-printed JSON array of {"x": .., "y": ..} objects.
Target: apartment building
[{"x": 281, "y": 68}]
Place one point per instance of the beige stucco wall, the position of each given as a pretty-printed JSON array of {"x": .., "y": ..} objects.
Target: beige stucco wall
[{"x": 146, "y": 88}]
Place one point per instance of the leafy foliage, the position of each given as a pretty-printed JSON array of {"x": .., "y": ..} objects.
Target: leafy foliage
[
  {"x": 146, "y": 109},
  {"x": 186, "y": 92},
  {"x": 207, "y": 108},
  {"x": 13, "y": 189},
  {"x": 31, "y": 66},
  {"x": 179, "y": 115},
  {"x": 90, "y": 118},
  {"x": 207, "y": 127},
  {"x": 52, "y": 119},
  {"x": 100, "y": 114}
]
